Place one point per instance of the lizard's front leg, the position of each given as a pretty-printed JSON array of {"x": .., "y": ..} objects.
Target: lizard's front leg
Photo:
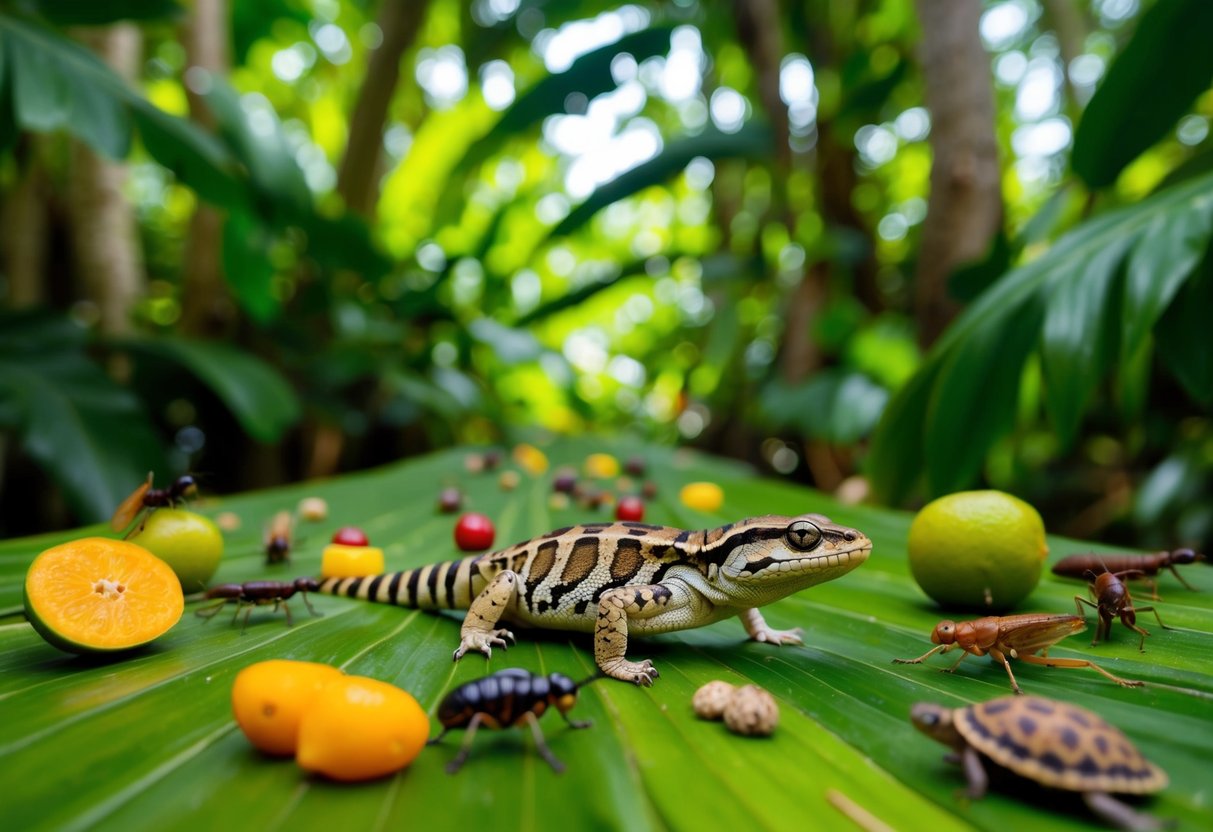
[
  {"x": 615, "y": 607},
  {"x": 479, "y": 631},
  {"x": 759, "y": 630}
]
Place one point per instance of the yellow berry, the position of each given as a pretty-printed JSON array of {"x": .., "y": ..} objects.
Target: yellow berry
[
  {"x": 702, "y": 496},
  {"x": 359, "y": 729},
  {"x": 269, "y": 699},
  {"x": 601, "y": 466},
  {"x": 531, "y": 459},
  {"x": 341, "y": 561}
]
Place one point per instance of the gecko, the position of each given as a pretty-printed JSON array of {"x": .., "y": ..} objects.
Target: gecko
[{"x": 618, "y": 579}]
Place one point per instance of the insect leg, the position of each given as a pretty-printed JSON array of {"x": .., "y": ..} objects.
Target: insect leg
[
  {"x": 943, "y": 648},
  {"x": 210, "y": 612},
  {"x": 1030, "y": 659},
  {"x": 308, "y": 604},
  {"x": 248, "y": 610},
  {"x": 465, "y": 747},
  {"x": 480, "y": 631},
  {"x": 1179, "y": 577},
  {"x": 438, "y": 738},
  {"x": 576, "y": 723},
  {"x": 540, "y": 745},
  {"x": 956, "y": 664},
  {"x": 975, "y": 773},
  {"x": 286, "y": 608},
  {"x": 997, "y": 655}
]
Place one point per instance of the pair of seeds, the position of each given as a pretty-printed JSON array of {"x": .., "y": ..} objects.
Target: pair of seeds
[{"x": 748, "y": 710}]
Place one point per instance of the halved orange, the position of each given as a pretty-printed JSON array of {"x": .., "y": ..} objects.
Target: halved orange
[{"x": 101, "y": 595}]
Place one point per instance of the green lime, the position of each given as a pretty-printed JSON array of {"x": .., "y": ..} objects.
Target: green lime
[
  {"x": 190, "y": 543},
  {"x": 977, "y": 549}
]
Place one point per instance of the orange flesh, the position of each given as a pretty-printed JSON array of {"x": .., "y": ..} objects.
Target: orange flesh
[{"x": 103, "y": 594}]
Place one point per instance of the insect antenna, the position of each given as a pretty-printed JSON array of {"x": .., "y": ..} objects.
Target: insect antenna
[{"x": 594, "y": 678}]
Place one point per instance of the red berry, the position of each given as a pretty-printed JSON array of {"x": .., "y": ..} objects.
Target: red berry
[
  {"x": 630, "y": 508},
  {"x": 351, "y": 536},
  {"x": 474, "y": 532}
]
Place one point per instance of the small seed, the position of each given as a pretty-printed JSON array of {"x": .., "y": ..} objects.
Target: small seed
[
  {"x": 752, "y": 712},
  {"x": 709, "y": 700}
]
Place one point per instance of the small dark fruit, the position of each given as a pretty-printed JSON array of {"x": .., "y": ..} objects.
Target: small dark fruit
[
  {"x": 635, "y": 466},
  {"x": 649, "y": 490},
  {"x": 351, "y": 536},
  {"x": 630, "y": 508},
  {"x": 474, "y": 532},
  {"x": 491, "y": 459},
  {"x": 450, "y": 500},
  {"x": 565, "y": 481}
]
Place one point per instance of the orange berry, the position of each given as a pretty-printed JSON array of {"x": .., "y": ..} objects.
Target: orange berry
[
  {"x": 359, "y": 729},
  {"x": 702, "y": 496},
  {"x": 269, "y": 700}
]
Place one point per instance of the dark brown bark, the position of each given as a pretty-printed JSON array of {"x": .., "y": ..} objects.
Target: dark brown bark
[
  {"x": 105, "y": 238},
  {"x": 965, "y": 209},
  {"x": 761, "y": 35},
  {"x": 358, "y": 179},
  {"x": 1070, "y": 26},
  {"x": 206, "y": 305}
]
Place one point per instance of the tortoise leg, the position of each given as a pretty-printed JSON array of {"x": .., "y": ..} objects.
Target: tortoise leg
[
  {"x": 1121, "y": 815},
  {"x": 975, "y": 773},
  {"x": 1030, "y": 659},
  {"x": 998, "y": 656}
]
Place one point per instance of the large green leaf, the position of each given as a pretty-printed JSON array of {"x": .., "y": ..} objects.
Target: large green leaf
[
  {"x": 92, "y": 436},
  {"x": 1070, "y": 282},
  {"x": 147, "y": 741},
  {"x": 84, "y": 13},
  {"x": 1148, "y": 87},
  {"x": 258, "y": 396}
]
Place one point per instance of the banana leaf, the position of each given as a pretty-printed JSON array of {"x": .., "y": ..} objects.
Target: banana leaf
[{"x": 147, "y": 741}]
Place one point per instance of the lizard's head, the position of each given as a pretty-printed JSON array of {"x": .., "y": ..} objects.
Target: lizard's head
[{"x": 779, "y": 555}]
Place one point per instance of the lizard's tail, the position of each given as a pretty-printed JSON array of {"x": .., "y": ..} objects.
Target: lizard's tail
[{"x": 449, "y": 585}]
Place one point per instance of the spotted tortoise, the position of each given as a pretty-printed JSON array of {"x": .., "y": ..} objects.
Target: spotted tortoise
[{"x": 1058, "y": 745}]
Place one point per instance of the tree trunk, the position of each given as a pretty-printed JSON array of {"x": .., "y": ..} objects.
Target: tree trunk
[
  {"x": 965, "y": 210},
  {"x": 358, "y": 179},
  {"x": 24, "y": 226},
  {"x": 206, "y": 306},
  {"x": 760, "y": 31},
  {"x": 105, "y": 239}
]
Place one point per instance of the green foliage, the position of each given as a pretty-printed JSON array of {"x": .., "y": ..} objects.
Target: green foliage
[
  {"x": 1151, "y": 84},
  {"x": 144, "y": 741},
  {"x": 1077, "y": 301},
  {"x": 85, "y": 13},
  {"x": 90, "y": 434}
]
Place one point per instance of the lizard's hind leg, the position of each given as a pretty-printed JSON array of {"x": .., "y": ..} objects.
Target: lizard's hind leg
[{"x": 480, "y": 631}]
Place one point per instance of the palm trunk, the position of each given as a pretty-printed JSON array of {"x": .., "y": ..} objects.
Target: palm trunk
[{"x": 965, "y": 211}]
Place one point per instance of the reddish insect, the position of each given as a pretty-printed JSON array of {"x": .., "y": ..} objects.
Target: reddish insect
[
  {"x": 1008, "y": 637},
  {"x": 259, "y": 594},
  {"x": 278, "y": 538},
  {"x": 145, "y": 499},
  {"x": 1112, "y": 599},
  {"x": 1077, "y": 566}
]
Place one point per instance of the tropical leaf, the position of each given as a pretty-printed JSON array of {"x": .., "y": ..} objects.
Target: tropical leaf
[
  {"x": 147, "y": 741},
  {"x": 1152, "y": 82},
  {"x": 78, "y": 13},
  {"x": 1065, "y": 298},
  {"x": 836, "y": 405},
  {"x": 258, "y": 396},
  {"x": 92, "y": 436},
  {"x": 754, "y": 140}
]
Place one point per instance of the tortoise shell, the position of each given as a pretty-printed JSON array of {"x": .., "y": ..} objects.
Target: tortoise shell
[{"x": 1058, "y": 745}]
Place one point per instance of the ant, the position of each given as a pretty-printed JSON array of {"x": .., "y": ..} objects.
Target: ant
[
  {"x": 258, "y": 594},
  {"x": 278, "y": 538},
  {"x": 145, "y": 499},
  {"x": 1112, "y": 599}
]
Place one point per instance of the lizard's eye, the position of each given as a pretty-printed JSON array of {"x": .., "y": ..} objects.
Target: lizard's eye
[{"x": 803, "y": 535}]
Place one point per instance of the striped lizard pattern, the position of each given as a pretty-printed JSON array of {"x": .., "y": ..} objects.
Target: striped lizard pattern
[{"x": 620, "y": 579}]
